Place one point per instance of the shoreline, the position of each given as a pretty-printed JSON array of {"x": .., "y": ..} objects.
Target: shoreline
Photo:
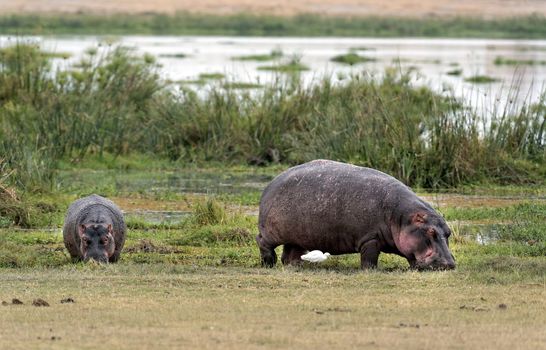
[
  {"x": 342, "y": 8},
  {"x": 304, "y": 25}
]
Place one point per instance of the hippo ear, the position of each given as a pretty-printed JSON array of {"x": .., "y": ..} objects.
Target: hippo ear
[
  {"x": 418, "y": 219},
  {"x": 81, "y": 230}
]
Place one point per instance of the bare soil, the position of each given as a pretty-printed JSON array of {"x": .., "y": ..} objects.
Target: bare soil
[
  {"x": 398, "y": 8},
  {"x": 143, "y": 307}
]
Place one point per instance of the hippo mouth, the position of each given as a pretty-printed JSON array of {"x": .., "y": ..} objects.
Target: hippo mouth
[
  {"x": 435, "y": 264},
  {"x": 99, "y": 259}
]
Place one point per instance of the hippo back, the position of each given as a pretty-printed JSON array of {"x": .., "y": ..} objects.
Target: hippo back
[{"x": 325, "y": 204}]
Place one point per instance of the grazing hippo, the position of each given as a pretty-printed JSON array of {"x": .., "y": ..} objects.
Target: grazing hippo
[
  {"x": 341, "y": 208},
  {"x": 94, "y": 229}
]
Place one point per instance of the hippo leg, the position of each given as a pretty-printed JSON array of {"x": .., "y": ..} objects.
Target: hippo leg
[
  {"x": 267, "y": 251},
  {"x": 291, "y": 254},
  {"x": 369, "y": 254}
]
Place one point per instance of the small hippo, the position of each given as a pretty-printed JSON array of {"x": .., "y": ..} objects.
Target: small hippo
[
  {"x": 94, "y": 229},
  {"x": 341, "y": 208}
]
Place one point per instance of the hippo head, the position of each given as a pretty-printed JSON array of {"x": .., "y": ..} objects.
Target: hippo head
[
  {"x": 96, "y": 242},
  {"x": 423, "y": 240}
]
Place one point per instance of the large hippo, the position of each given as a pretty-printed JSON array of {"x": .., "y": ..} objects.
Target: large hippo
[
  {"x": 94, "y": 229},
  {"x": 341, "y": 208}
]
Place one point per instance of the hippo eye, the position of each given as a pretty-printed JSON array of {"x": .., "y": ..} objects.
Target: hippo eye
[
  {"x": 432, "y": 233},
  {"x": 104, "y": 240}
]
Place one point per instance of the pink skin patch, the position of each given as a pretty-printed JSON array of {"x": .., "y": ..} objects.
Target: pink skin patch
[
  {"x": 414, "y": 248},
  {"x": 407, "y": 244},
  {"x": 426, "y": 257}
]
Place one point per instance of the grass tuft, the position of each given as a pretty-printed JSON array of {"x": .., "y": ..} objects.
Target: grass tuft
[
  {"x": 294, "y": 66},
  {"x": 351, "y": 59},
  {"x": 481, "y": 79},
  {"x": 455, "y": 72},
  {"x": 499, "y": 61},
  {"x": 273, "y": 55},
  {"x": 209, "y": 213}
]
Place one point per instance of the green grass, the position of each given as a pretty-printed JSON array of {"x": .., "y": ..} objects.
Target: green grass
[
  {"x": 63, "y": 55},
  {"x": 455, "y": 72},
  {"x": 213, "y": 76},
  {"x": 481, "y": 79},
  {"x": 242, "y": 85},
  {"x": 294, "y": 66},
  {"x": 499, "y": 61},
  {"x": 362, "y": 48},
  {"x": 531, "y": 27},
  {"x": 173, "y": 55},
  {"x": 351, "y": 59},
  {"x": 273, "y": 55},
  {"x": 198, "y": 82}
]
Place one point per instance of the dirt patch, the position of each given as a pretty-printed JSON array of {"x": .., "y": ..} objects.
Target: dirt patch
[
  {"x": 331, "y": 309},
  {"x": 473, "y": 308},
  {"x": 40, "y": 302},
  {"x": 398, "y": 8}
]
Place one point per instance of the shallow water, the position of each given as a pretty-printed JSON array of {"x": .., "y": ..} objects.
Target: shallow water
[
  {"x": 482, "y": 233},
  {"x": 164, "y": 217},
  {"x": 430, "y": 58},
  {"x": 203, "y": 181}
]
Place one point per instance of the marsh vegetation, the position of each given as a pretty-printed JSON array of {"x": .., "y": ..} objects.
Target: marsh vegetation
[
  {"x": 273, "y": 55},
  {"x": 351, "y": 58},
  {"x": 117, "y": 104},
  {"x": 513, "y": 62},
  {"x": 481, "y": 79}
]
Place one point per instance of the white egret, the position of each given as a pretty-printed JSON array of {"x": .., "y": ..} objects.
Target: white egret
[{"x": 315, "y": 256}]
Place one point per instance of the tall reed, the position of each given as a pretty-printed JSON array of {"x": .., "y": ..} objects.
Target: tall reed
[{"x": 116, "y": 103}]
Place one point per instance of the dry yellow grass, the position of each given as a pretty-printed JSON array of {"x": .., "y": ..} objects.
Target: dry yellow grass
[
  {"x": 144, "y": 307},
  {"x": 410, "y": 8}
]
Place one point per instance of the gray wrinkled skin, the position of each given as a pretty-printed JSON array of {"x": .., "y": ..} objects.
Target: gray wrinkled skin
[
  {"x": 94, "y": 228},
  {"x": 341, "y": 208}
]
